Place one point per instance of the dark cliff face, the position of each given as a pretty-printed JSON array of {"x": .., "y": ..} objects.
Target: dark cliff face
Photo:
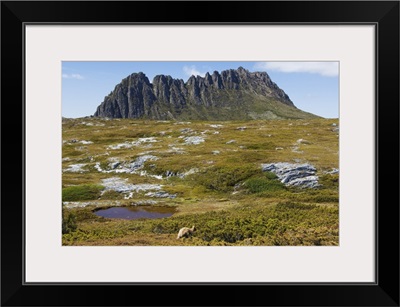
[{"x": 231, "y": 94}]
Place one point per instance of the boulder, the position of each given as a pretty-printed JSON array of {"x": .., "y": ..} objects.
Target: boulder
[{"x": 293, "y": 174}]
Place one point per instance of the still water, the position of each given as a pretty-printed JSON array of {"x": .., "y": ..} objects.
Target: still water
[{"x": 137, "y": 212}]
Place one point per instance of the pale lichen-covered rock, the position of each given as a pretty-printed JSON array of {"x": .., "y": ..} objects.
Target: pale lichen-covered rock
[
  {"x": 122, "y": 185},
  {"x": 193, "y": 140},
  {"x": 75, "y": 168},
  {"x": 126, "y": 167},
  {"x": 334, "y": 171},
  {"x": 160, "y": 194},
  {"x": 293, "y": 174},
  {"x": 140, "y": 161}
]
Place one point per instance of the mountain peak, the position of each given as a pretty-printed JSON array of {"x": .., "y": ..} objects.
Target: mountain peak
[
  {"x": 241, "y": 69},
  {"x": 229, "y": 94}
]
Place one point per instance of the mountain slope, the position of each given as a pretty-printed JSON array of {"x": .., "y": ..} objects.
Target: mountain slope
[{"x": 229, "y": 95}]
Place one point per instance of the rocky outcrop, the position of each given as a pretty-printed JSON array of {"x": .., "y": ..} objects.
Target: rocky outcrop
[
  {"x": 231, "y": 94},
  {"x": 291, "y": 174}
]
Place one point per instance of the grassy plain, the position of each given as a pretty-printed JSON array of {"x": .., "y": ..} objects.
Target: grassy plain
[{"x": 209, "y": 171}]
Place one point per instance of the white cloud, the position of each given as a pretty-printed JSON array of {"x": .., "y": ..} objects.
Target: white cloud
[
  {"x": 73, "y": 76},
  {"x": 328, "y": 69},
  {"x": 192, "y": 71}
]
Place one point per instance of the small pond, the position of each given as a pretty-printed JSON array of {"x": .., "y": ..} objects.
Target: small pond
[{"x": 136, "y": 212}]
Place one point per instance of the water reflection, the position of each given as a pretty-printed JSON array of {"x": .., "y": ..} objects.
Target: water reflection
[{"x": 137, "y": 212}]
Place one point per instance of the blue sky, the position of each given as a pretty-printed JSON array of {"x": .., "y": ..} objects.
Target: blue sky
[{"x": 312, "y": 86}]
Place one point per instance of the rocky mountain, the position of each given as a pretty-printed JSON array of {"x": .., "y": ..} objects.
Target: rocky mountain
[{"x": 229, "y": 95}]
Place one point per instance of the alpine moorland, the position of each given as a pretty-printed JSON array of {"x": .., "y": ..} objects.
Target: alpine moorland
[{"x": 249, "y": 182}]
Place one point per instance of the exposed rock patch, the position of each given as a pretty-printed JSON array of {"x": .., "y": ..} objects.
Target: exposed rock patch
[
  {"x": 290, "y": 174},
  {"x": 334, "y": 171},
  {"x": 187, "y": 131},
  {"x": 133, "y": 167},
  {"x": 75, "y": 168},
  {"x": 193, "y": 140},
  {"x": 75, "y": 141},
  {"x": 83, "y": 204},
  {"x": 92, "y": 124},
  {"x": 302, "y": 141},
  {"x": 180, "y": 174},
  {"x": 177, "y": 150},
  {"x": 121, "y": 185},
  {"x": 216, "y": 126},
  {"x": 121, "y": 146},
  {"x": 139, "y": 142},
  {"x": 160, "y": 194}
]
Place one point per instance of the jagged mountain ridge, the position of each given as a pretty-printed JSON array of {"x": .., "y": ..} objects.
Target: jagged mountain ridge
[{"x": 229, "y": 95}]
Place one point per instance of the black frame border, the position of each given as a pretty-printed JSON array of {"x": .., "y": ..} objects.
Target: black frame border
[{"x": 383, "y": 14}]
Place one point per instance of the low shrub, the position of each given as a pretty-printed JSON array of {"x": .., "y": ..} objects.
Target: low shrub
[
  {"x": 261, "y": 146},
  {"x": 329, "y": 181},
  {"x": 270, "y": 175},
  {"x": 68, "y": 221},
  {"x": 315, "y": 196},
  {"x": 224, "y": 178},
  {"x": 82, "y": 192},
  {"x": 290, "y": 205},
  {"x": 263, "y": 184},
  {"x": 111, "y": 194}
]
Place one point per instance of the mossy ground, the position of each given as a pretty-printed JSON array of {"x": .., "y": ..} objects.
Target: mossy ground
[{"x": 218, "y": 183}]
